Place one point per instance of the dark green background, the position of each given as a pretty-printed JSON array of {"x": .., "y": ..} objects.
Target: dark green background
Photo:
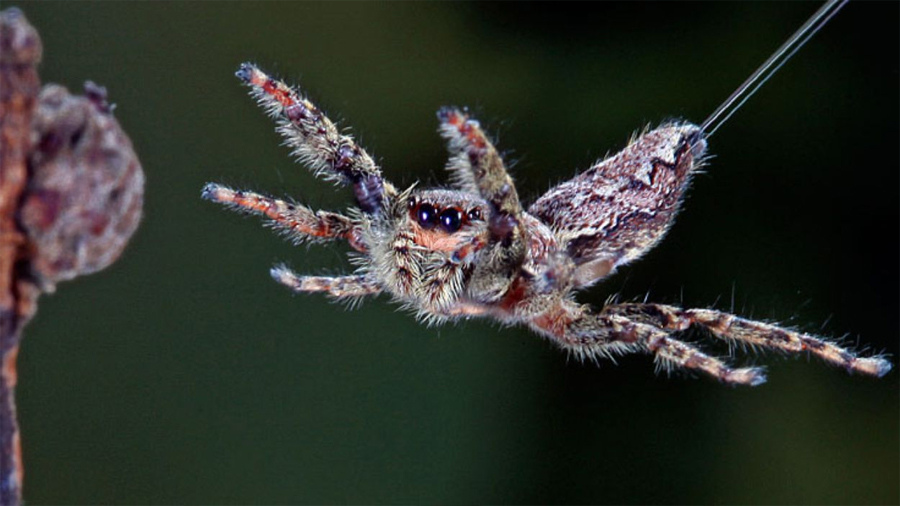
[{"x": 183, "y": 374}]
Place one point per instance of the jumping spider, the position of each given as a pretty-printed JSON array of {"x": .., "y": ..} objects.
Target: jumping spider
[{"x": 474, "y": 250}]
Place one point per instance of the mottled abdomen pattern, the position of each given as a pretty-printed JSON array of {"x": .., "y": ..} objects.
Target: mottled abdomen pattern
[{"x": 620, "y": 208}]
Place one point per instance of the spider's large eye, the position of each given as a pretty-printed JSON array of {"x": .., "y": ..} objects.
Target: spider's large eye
[
  {"x": 427, "y": 216},
  {"x": 451, "y": 219}
]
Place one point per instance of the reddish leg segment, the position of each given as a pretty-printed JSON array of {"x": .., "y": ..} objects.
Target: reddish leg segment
[
  {"x": 297, "y": 221},
  {"x": 316, "y": 141}
]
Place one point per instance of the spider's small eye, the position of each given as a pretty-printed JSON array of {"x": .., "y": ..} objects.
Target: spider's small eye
[
  {"x": 451, "y": 219},
  {"x": 474, "y": 214},
  {"x": 411, "y": 203},
  {"x": 427, "y": 216}
]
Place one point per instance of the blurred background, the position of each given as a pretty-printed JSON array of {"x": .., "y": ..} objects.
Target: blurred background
[{"x": 184, "y": 374}]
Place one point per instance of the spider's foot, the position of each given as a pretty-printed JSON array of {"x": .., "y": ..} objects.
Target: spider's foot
[
  {"x": 873, "y": 366},
  {"x": 750, "y": 376},
  {"x": 245, "y": 72},
  {"x": 214, "y": 192},
  {"x": 235, "y": 199},
  {"x": 285, "y": 276}
]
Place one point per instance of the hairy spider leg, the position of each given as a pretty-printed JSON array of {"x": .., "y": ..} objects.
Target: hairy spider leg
[
  {"x": 297, "y": 221},
  {"x": 316, "y": 140},
  {"x": 341, "y": 287},
  {"x": 590, "y": 335},
  {"x": 477, "y": 167},
  {"x": 753, "y": 333}
]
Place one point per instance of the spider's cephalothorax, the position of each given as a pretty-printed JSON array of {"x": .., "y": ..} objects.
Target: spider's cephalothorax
[{"x": 474, "y": 251}]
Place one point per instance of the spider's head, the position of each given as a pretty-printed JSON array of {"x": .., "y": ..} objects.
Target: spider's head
[
  {"x": 442, "y": 219},
  {"x": 425, "y": 250}
]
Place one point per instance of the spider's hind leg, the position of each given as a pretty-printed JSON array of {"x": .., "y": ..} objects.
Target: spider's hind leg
[
  {"x": 591, "y": 335},
  {"x": 742, "y": 331}
]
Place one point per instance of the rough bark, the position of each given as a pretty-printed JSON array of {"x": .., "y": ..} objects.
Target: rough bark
[{"x": 71, "y": 193}]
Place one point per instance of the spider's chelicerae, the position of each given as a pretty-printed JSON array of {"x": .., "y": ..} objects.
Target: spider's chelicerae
[{"x": 475, "y": 251}]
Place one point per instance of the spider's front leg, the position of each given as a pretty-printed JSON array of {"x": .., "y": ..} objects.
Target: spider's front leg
[
  {"x": 475, "y": 163},
  {"x": 753, "y": 333},
  {"x": 340, "y": 287},
  {"x": 592, "y": 335},
  {"x": 478, "y": 168},
  {"x": 297, "y": 221},
  {"x": 316, "y": 140}
]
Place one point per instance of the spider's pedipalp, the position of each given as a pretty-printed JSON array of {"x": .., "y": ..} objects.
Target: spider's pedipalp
[
  {"x": 316, "y": 141},
  {"x": 442, "y": 283},
  {"x": 340, "y": 287},
  {"x": 297, "y": 221},
  {"x": 756, "y": 334}
]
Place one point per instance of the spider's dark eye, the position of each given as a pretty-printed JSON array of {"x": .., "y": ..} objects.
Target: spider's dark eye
[
  {"x": 451, "y": 219},
  {"x": 474, "y": 214},
  {"x": 427, "y": 216},
  {"x": 411, "y": 203}
]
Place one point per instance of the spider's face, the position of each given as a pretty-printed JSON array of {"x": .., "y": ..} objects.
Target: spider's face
[
  {"x": 426, "y": 251},
  {"x": 440, "y": 220}
]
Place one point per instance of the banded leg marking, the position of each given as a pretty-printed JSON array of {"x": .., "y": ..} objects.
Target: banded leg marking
[
  {"x": 740, "y": 330},
  {"x": 337, "y": 286},
  {"x": 298, "y": 221},
  {"x": 316, "y": 141}
]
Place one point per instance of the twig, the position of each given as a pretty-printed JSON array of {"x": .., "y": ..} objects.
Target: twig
[{"x": 71, "y": 194}]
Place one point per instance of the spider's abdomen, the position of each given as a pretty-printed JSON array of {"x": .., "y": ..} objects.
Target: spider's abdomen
[{"x": 617, "y": 210}]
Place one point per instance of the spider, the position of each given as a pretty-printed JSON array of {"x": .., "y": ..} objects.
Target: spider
[{"x": 475, "y": 251}]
